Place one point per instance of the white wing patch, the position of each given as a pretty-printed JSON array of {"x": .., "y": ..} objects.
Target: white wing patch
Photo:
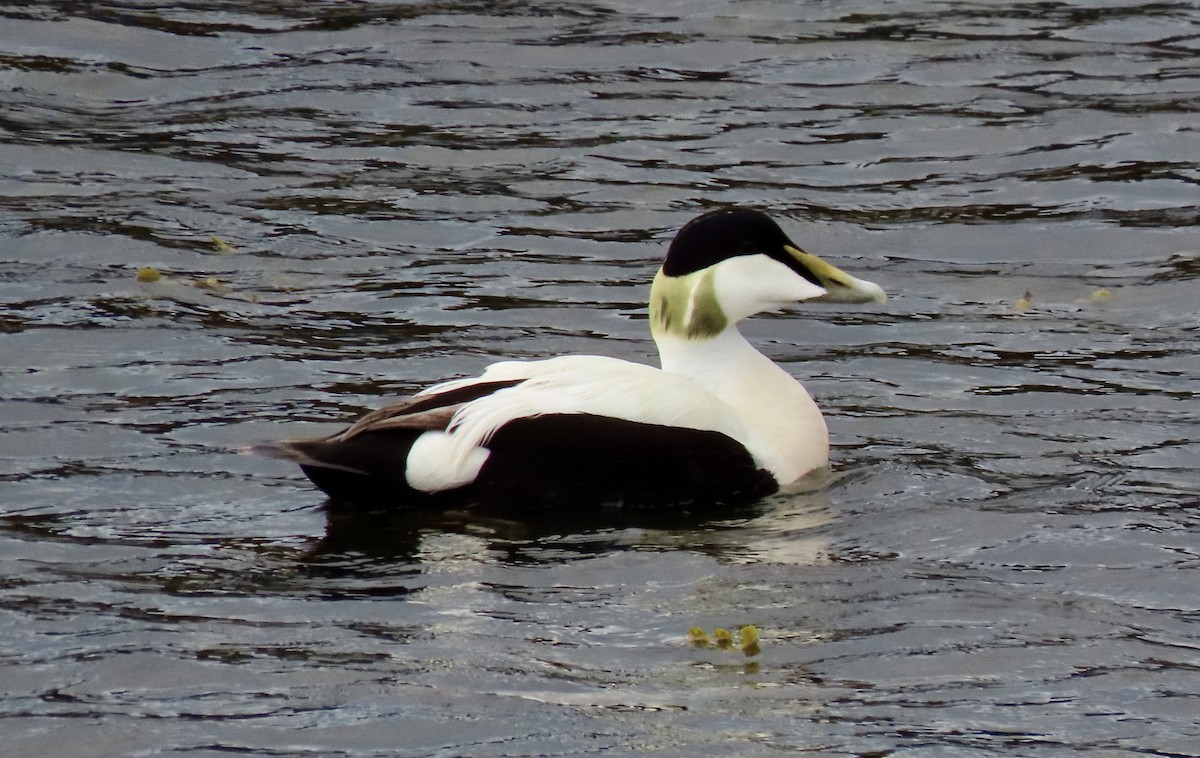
[
  {"x": 570, "y": 384},
  {"x": 437, "y": 462}
]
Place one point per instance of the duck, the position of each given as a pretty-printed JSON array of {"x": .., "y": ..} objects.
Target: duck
[{"x": 717, "y": 423}]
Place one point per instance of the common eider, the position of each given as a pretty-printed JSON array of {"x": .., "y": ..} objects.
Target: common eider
[{"x": 718, "y": 424}]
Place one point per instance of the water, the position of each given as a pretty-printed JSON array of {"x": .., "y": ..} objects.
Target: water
[{"x": 1003, "y": 559}]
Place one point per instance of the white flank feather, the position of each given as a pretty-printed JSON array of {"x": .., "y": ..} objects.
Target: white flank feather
[
  {"x": 437, "y": 462},
  {"x": 604, "y": 387}
]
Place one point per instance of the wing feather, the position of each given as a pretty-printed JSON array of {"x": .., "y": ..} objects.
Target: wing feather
[
  {"x": 427, "y": 411},
  {"x": 606, "y": 387}
]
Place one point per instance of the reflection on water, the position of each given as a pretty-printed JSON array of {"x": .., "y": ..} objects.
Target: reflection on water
[{"x": 1001, "y": 561}]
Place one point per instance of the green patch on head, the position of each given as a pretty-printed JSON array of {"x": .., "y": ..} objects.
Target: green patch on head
[{"x": 686, "y": 306}]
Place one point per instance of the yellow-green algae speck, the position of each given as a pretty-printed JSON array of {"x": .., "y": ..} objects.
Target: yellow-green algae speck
[{"x": 723, "y": 639}]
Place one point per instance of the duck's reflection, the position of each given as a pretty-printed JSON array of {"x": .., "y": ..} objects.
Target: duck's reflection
[{"x": 785, "y": 528}]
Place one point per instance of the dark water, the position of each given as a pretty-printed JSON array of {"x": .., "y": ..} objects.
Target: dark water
[{"x": 1004, "y": 560}]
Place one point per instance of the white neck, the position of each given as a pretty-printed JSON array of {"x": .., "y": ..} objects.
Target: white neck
[{"x": 788, "y": 433}]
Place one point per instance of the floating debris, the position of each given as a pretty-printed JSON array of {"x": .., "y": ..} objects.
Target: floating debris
[
  {"x": 184, "y": 288},
  {"x": 148, "y": 274},
  {"x": 723, "y": 639},
  {"x": 221, "y": 246},
  {"x": 749, "y": 640},
  {"x": 1102, "y": 295}
]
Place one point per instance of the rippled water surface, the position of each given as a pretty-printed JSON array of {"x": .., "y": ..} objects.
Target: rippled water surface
[{"x": 1003, "y": 560}]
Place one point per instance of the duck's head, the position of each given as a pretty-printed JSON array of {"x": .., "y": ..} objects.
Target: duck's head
[{"x": 730, "y": 264}]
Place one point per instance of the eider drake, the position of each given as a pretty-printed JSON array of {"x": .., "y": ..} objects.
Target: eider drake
[{"x": 718, "y": 424}]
